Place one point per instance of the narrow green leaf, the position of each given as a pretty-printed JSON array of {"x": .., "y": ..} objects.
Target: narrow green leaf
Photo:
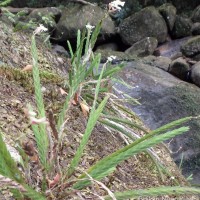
[
  {"x": 104, "y": 166},
  {"x": 95, "y": 33},
  {"x": 79, "y": 50},
  {"x": 90, "y": 125},
  {"x": 117, "y": 127},
  {"x": 110, "y": 72},
  {"x": 128, "y": 122},
  {"x": 40, "y": 145},
  {"x": 158, "y": 165},
  {"x": 40, "y": 106},
  {"x": 61, "y": 116},
  {"x": 32, "y": 194},
  {"x": 36, "y": 78},
  {"x": 95, "y": 62},
  {"x": 8, "y": 167},
  {"x": 155, "y": 192},
  {"x": 70, "y": 49},
  {"x": 17, "y": 194},
  {"x": 87, "y": 44},
  {"x": 126, "y": 110},
  {"x": 171, "y": 125},
  {"x": 78, "y": 40}
]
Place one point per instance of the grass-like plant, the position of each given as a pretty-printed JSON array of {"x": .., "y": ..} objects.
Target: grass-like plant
[{"x": 84, "y": 71}]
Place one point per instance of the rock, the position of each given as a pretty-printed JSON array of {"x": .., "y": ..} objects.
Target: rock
[
  {"x": 185, "y": 6},
  {"x": 191, "y": 47},
  {"x": 145, "y": 23},
  {"x": 143, "y": 47},
  {"x": 195, "y": 74},
  {"x": 46, "y": 16},
  {"x": 19, "y": 3},
  {"x": 133, "y": 6},
  {"x": 5, "y": 19},
  {"x": 152, "y": 2},
  {"x": 182, "y": 6},
  {"x": 182, "y": 27},
  {"x": 164, "y": 98},
  {"x": 53, "y": 11},
  {"x": 75, "y": 18},
  {"x": 196, "y": 57},
  {"x": 179, "y": 68},
  {"x": 171, "y": 49},
  {"x": 120, "y": 56},
  {"x": 25, "y": 11},
  {"x": 60, "y": 50},
  {"x": 168, "y": 11},
  {"x": 196, "y": 15},
  {"x": 108, "y": 46},
  {"x": 196, "y": 28},
  {"x": 34, "y": 3},
  {"x": 160, "y": 62}
]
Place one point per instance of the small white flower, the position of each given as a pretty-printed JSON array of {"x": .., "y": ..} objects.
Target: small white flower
[
  {"x": 116, "y": 5},
  {"x": 32, "y": 113},
  {"x": 32, "y": 116},
  {"x": 39, "y": 29},
  {"x": 111, "y": 58},
  {"x": 89, "y": 27},
  {"x": 38, "y": 121},
  {"x": 43, "y": 89}
]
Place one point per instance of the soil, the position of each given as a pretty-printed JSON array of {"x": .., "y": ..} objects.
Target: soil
[{"x": 16, "y": 91}]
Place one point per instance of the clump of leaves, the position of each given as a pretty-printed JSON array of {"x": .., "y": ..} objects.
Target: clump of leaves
[{"x": 84, "y": 66}]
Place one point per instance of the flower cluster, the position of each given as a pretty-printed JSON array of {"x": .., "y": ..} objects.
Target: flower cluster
[
  {"x": 111, "y": 58},
  {"x": 89, "y": 27},
  {"x": 115, "y": 6},
  {"x": 32, "y": 116},
  {"x": 40, "y": 29}
]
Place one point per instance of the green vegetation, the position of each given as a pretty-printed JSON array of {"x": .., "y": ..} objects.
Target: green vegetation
[
  {"x": 5, "y": 2},
  {"x": 85, "y": 74}
]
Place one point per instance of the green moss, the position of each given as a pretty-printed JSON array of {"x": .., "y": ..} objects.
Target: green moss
[{"x": 25, "y": 78}]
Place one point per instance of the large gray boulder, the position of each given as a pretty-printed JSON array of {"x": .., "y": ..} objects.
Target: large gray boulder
[
  {"x": 168, "y": 11},
  {"x": 47, "y": 16},
  {"x": 179, "y": 68},
  {"x": 191, "y": 48},
  {"x": 195, "y": 74},
  {"x": 54, "y": 12},
  {"x": 160, "y": 62},
  {"x": 143, "y": 47},
  {"x": 182, "y": 27},
  {"x": 196, "y": 28},
  {"x": 196, "y": 15},
  {"x": 145, "y": 23},
  {"x": 185, "y": 6},
  {"x": 164, "y": 98},
  {"x": 119, "y": 56},
  {"x": 171, "y": 48},
  {"x": 76, "y": 17}
]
